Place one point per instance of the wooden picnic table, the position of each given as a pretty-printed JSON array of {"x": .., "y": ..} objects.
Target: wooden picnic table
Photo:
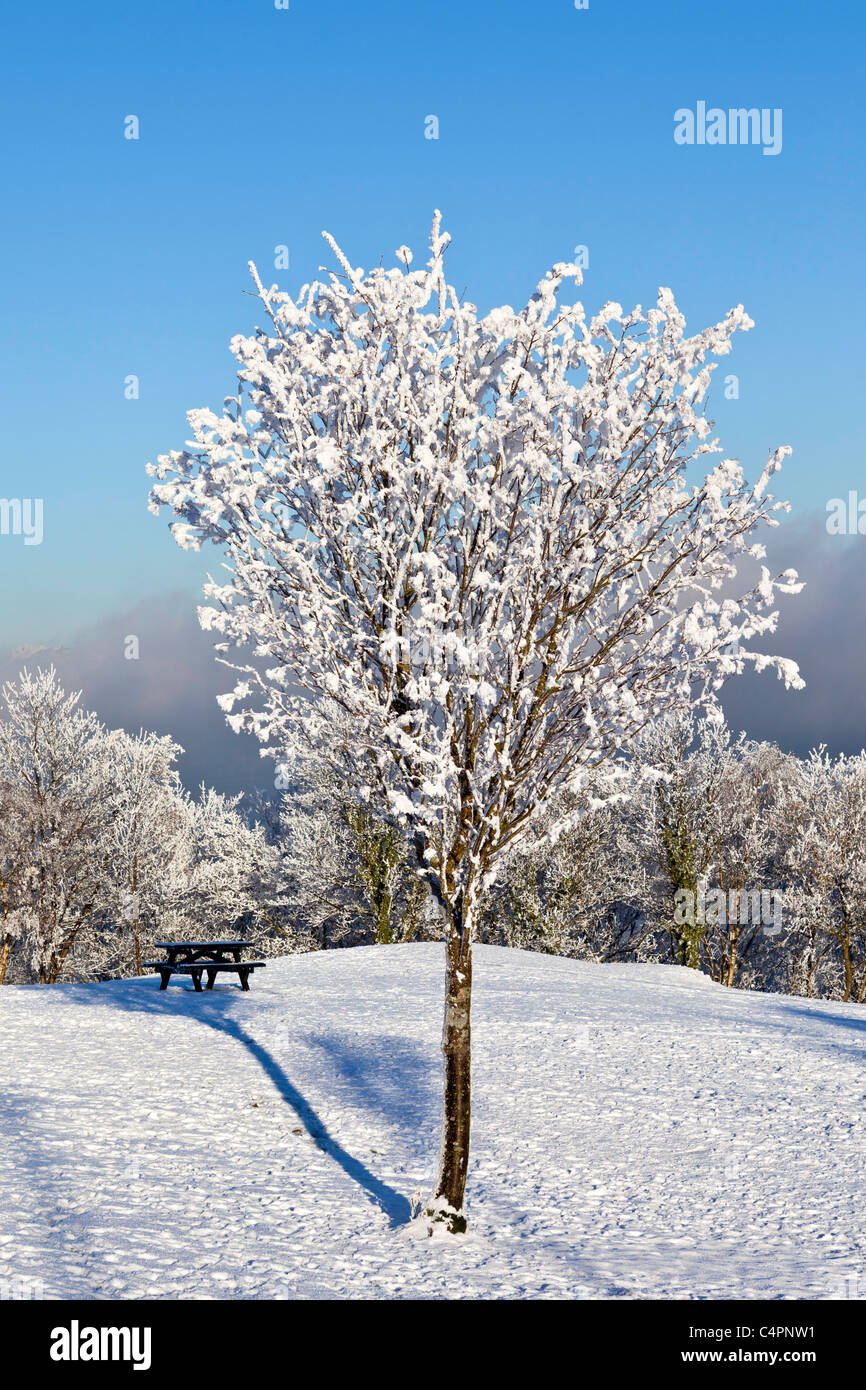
[{"x": 197, "y": 958}]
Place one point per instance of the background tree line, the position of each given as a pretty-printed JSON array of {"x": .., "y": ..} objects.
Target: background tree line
[{"x": 102, "y": 851}]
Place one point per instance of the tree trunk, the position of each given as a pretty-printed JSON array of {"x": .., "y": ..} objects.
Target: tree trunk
[
  {"x": 731, "y": 971},
  {"x": 446, "y": 1204},
  {"x": 136, "y": 923},
  {"x": 689, "y": 947},
  {"x": 848, "y": 965},
  {"x": 384, "y": 908},
  {"x": 5, "y": 953},
  {"x": 136, "y": 946}
]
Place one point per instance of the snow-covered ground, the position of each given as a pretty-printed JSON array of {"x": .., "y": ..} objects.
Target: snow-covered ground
[{"x": 638, "y": 1132}]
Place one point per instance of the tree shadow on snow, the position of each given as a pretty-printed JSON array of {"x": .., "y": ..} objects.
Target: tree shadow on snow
[
  {"x": 209, "y": 1009},
  {"x": 387, "y": 1075},
  {"x": 841, "y": 1020},
  {"x": 393, "y": 1204}
]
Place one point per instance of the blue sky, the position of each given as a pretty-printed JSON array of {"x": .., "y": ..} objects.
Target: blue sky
[{"x": 260, "y": 127}]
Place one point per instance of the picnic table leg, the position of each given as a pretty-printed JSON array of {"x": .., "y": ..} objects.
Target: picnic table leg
[
  {"x": 196, "y": 980},
  {"x": 211, "y": 976},
  {"x": 244, "y": 973},
  {"x": 164, "y": 977}
]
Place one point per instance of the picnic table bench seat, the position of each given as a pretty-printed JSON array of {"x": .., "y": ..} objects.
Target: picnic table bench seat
[{"x": 204, "y": 958}]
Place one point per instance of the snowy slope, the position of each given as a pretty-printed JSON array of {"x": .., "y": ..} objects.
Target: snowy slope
[{"x": 639, "y": 1132}]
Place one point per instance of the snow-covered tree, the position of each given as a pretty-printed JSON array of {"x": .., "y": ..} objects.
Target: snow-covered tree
[
  {"x": 704, "y": 833},
  {"x": 672, "y": 826},
  {"x": 824, "y": 814},
  {"x": 102, "y": 849},
  {"x": 485, "y": 538},
  {"x": 348, "y": 873},
  {"x": 144, "y": 838},
  {"x": 55, "y": 785},
  {"x": 748, "y": 928},
  {"x": 574, "y": 895},
  {"x": 226, "y": 876},
  {"x": 16, "y": 840}
]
